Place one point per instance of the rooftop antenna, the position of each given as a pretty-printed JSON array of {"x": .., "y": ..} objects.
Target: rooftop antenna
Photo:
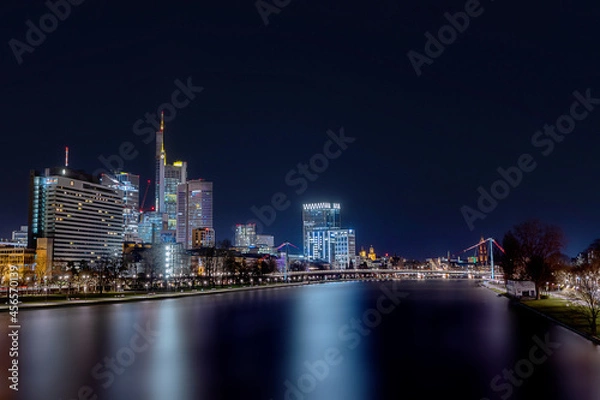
[{"x": 66, "y": 156}]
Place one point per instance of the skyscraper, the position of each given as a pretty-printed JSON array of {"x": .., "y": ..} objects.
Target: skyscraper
[
  {"x": 168, "y": 177},
  {"x": 175, "y": 175},
  {"x": 317, "y": 220},
  {"x": 203, "y": 237},
  {"x": 160, "y": 162},
  {"x": 194, "y": 209},
  {"x": 129, "y": 184},
  {"x": 245, "y": 235},
  {"x": 80, "y": 216},
  {"x": 324, "y": 238}
]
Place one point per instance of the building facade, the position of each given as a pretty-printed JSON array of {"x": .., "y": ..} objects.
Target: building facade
[
  {"x": 175, "y": 175},
  {"x": 317, "y": 220},
  {"x": 21, "y": 258},
  {"x": 167, "y": 179},
  {"x": 194, "y": 209},
  {"x": 82, "y": 217},
  {"x": 203, "y": 237},
  {"x": 129, "y": 184},
  {"x": 323, "y": 237},
  {"x": 19, "y": 238},
  {"x": 245, "y": 235},
  {"x": 344, "y": 248}
]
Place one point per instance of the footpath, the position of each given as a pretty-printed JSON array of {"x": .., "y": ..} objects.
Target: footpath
[{"x": 499, "y": 288}]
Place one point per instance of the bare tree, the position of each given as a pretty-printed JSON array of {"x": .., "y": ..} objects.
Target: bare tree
[
  {"x": 153, "y": 259},
  {"x": 538, "y": 246},
  {"x": 511, "y": 259},
  {"x": 586, "y": 296},
  {"x": 208, "y": 258}
]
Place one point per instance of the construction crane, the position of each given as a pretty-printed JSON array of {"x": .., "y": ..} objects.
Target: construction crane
[
  {"x": 287, "y": 258},
  {"x": 145, "y": 195}
]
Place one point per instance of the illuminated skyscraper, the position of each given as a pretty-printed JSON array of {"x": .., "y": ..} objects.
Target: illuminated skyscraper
[
  {"x": 160, "y": 162},
  {"x": 245, "y": 235},
  {"x": 317, "y": 219},
  {"x": 175, "y": 175},
  {"x": 194, "y": 209},
  {"x": 203, "y": 237},
  {"x": 168, "y": 177},
  {"x": 129, "y": 184},
  {"x": 80, "y": 216},
  {"x": 324, "y": 239}
]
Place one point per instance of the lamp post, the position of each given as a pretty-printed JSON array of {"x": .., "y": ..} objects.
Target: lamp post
[{"x": 492, "y": 256}]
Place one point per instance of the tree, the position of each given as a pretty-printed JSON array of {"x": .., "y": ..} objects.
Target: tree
[
  {"x": 536, "y": 247},
  {"x": 586, "y": 296},
  {"x": 225, "y": 244},
  {"x": 208, "y": 258},
  {"x": 41, "y": 267},
  {"x": 153, "y": 259},
  {"x": 511, "y": 259}
]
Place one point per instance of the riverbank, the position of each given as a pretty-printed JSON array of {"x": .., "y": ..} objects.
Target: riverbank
[
  {"x": 121, "y": 297},
  {"x": 555, "y": 309}
]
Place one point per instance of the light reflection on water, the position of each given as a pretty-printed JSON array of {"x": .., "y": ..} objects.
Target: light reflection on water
[{"x": 322, "y": 365}]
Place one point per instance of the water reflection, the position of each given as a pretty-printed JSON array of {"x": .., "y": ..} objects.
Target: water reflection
[{"x": 323, "y": 363}]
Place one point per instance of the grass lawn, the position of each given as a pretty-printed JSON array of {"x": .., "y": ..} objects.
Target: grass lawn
[{"x": 561, "y": 311}]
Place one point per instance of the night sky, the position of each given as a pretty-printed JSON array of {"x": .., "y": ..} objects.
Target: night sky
[{"x": 422, "y": 144}]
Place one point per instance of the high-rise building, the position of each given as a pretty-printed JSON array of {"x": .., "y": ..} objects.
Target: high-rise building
[
  {"x": 245, "y": 235},
  {"x": 150, "y": 227},
  {"x": 265, "y": 243},
  {"x": 168, "y": 177},
  {"x": 321, "y": 216},
  {"x": 324, "y": 238},
  {"x": 203, "y": 237},
  {"x": 160, "y": 163},
  {"x": 19, "y": 237},
  {"x": 194, "y": 209},
  {"x": 344, "y": 248},
  {"x": 317, "y": 219},
  {"x": 129, "y": 184},
  {"x": 175, "y": 175},
  {"x": 80, "y": 216}
]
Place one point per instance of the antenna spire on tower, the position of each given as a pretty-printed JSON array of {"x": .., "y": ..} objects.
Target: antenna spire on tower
[
  {"x": 66, "y": 156},
  {"x": 162, "y": 121}
]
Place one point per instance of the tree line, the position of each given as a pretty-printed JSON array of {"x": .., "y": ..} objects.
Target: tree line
[{"x": 533, "y": 251}]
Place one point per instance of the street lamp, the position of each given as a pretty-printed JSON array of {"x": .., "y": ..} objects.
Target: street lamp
[{"x": 46, "y": 288}]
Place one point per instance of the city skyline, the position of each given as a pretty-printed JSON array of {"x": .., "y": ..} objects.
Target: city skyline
[{"x": 249, "y": 106}]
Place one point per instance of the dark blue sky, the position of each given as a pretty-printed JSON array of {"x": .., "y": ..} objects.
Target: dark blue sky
[{"x": 423, "y": 144}]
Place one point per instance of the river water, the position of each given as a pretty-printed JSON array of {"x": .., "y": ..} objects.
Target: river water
[{"x": 428, "y": 339}]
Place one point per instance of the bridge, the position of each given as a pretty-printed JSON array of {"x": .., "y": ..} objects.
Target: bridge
[{"x": 346, "y": 274}]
